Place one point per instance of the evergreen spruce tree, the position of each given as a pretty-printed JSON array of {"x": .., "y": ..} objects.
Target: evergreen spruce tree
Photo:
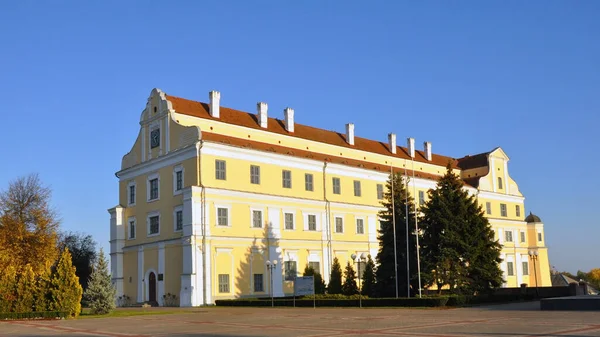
[
  {"x": 100, "y": 293},
  {"x": 319, "y": 283},
  {"x": 458, "y": 247},
  {"x": 66, "y": 291},
  {"x": 335, "y": 280},
  {"x": 42, "y": 291},
  {"x": 25, "y": 290},
  {"x": 368, "y": 278},
  {"x": 349, "y": 287},
  {"x": 385, "y": 275}
]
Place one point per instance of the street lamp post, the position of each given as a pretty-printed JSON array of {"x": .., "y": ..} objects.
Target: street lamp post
[
  {"x": 270, "y": 267},
  {"x": 534, "y": 256},
  {"x": 361, "y": 258}
]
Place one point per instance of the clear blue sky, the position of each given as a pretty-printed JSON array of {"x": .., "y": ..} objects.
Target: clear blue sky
[{"x": 467, "y": 76}]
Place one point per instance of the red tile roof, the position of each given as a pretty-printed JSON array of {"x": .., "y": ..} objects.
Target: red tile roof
[{"x": 249, "y": 120}]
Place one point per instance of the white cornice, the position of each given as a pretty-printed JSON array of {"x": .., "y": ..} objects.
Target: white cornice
[
  {"x": 501, "y": 197},
  {"x": 155, "y": 164}
]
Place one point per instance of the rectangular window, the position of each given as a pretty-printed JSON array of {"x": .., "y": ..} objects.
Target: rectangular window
[
  {"x": 508, "y": 235},
  {"x": 518, "y": 210},
  {"x": 308, "y": 182},
  {"x": 510, "y": 269},
  {"x": 132, "y": 229},
  {"x": 503, "y": 210},
  {"x": 220, "y": 170},
  {"x": 154, "y": 225},
  {"x": 223, "y": 283},
  {"x": 290, "y": 270},
  {"x": 540, "y": 237},
  {"x": 132, "y": 194},
  {"x": 316, "y": 266},
  {"x": 257, "y": 219},
  {"x": 337, "y": 187},
  {"x": 286, "y": 177},
  {"x": 254, "y": 174},
  {"x": 312, "y": 222},
  {"x": 525, "y": 268},
  {"x": 178, "y": 180},
  {"x": 178, "y": 220},
  {"x": 339, "y": 225},
  {"x": 522, "y": 236},
  {"x": 222, "y": 216},
  {"x": 500, "y": 183},
  {"x": 488, "y": 207},
  {"x": 258, "y": 282},
  {"x": 289, "y": 220},
  {"x": 357, "y": 188},
  {"x": 360, "y": 226},
  {"x": 379, "y": 191},
  {"x": 154, "y": 189},
  {"x": 421, "y": 198}
]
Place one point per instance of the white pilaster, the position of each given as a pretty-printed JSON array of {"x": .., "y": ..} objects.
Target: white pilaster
[
  {"x": 117, "y": 241},
  {"x": 519, "y": 269},
  {"x": 503, "y": 268},
  {"x": 161, "y": 270},
  {"x": 140, "y": 260},
  {"x": 188, "y": 295}
]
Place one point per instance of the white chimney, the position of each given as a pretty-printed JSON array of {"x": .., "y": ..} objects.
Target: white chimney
[
  {"x": 350, "y": 133},
  {"x": 261, "y": 113},
  {"x": 289, "y": 119},
  {"x": 392, "y": 142},
  {"x": 215, "y": 101},
  {"x": 427, "y": 146},
  {"x": 411, "y": 147}
]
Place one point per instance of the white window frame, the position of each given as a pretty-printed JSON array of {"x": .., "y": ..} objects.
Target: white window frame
[
  {"x": 505, "y": 213},
  {"x": 488, "y": 208},
  {"x": 506, "y": 233},
  {"x": 518, "y": 211},
  {"x": 262, "y": 283},
  {"x": 175, "y": 210},
  {"x": 500, "y": 183},
  {"x": 129, "y": 221},
  {"x": 176, "y": 169},
  {"x": 335, "y": 217},
  {"x": 317, "y": 221},
  {"x": 380, "y": 197},
  {"x": 356, "y": 225},
  {"x": 129, "y": 185},
  {"x": 148, "y": 216},
  {"x": 333, "y": 179},
  {"x": 252, "y": 176},
  {"x": 289, "y": 256},
  {"x": 224, "y": 171},
  {"x": 149, "y": 178},
  {"x": 283, "y": 179},
  {"x": 539, "y": 232},
  {"x": 522, "y": 235},
  {"x": 262, "y": 218},
  {"x": 312, "y": 182},
  {"x": 355, "y": 184},
  {"x": 228, "y": 207},
  {"x": 229, "y": 287},
  {"x": 510, "y": 271},
  {"x": 421, "y": 200},
  {"x": 285, "y": 211},
  {"x": 525, "y": 271}
]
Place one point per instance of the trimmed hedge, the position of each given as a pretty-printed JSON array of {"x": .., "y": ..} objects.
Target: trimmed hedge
[
  {"x": 33, "y": 315},
  {"x": 367, "y": 302}
]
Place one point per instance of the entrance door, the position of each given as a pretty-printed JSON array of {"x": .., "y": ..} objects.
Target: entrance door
[{"x": 152, "y": 287}]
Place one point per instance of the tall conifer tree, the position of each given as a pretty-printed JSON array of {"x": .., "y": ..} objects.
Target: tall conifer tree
[
  {"x": 66, "y": 290},
  {"x": 458, "y": 247},
  {"x": 385, "y": 283},
  {"x": 368, "y": 278},
  {"x": 349, "y": 287},
  {"x": 100, "y": 293},
  {"x": 335, "y": 280}
]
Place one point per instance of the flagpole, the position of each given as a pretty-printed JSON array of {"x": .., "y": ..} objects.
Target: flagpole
[
  {"x": 394, "y": 226},
  {"x": 416, "y": 226},
  {"x": 407, "y": 235}
]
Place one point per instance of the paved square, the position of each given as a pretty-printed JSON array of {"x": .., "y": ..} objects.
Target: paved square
[{"x": 523, "y": 319}]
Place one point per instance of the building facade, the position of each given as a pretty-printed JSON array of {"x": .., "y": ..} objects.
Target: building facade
[{"x": 208, "y": 195}]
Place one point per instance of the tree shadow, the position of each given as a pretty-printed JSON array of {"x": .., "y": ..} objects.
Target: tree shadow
[{"x": 253, "y": 277}]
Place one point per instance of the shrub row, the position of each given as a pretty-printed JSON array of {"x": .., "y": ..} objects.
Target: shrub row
[
  {"x": 367, "y": 302},
  {"x": 33, "y": 315}
]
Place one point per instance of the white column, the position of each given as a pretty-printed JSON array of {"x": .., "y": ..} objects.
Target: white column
[
  {"x": 161, "y": 271},
  {"x": 503, "y": 268},
  {"x": 274, "y": 234},
  {"x": 519, "y": 268},
  {"x": 373, "y": 242},
  {"x": 117, "y": 241},
  {"x": 140, "y": 260},
  {"x": 191, "y": 291}
]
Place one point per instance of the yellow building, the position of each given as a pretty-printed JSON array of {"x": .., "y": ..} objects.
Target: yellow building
[{"x": 208, "y": 195}]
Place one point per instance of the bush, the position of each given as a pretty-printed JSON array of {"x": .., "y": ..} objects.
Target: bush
[
  {"x": 124, "y": 301},
  {"x": 170, "y": 300},
  {"x": 320, "y": 302},
  {"x": 33, "y": 315}
]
